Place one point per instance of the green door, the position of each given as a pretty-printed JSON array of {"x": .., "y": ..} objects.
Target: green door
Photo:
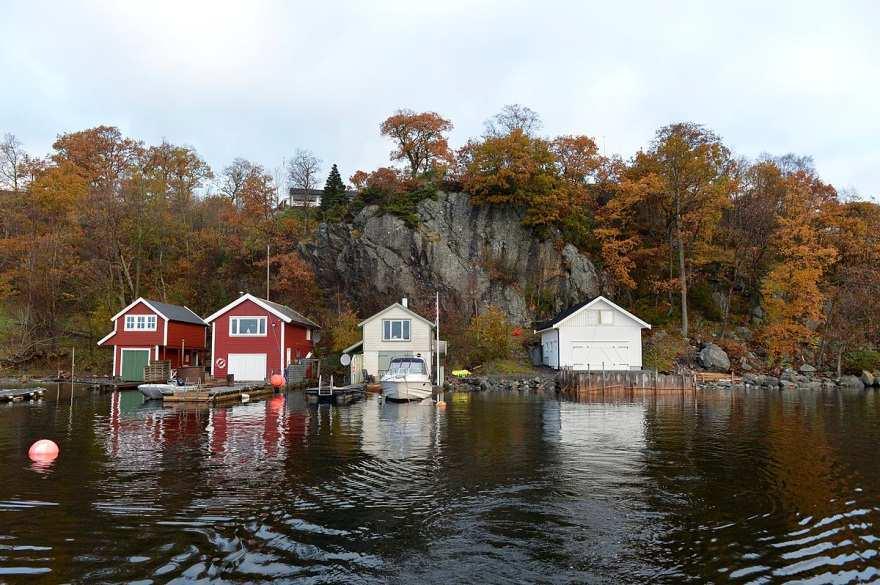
[{"x": 133, "y": 363}]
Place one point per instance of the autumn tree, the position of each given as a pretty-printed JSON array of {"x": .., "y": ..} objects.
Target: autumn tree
[
  {"x": 514, "y": 117},
  {"x": 519, "y": 170},
  {"x": 791, "y": 291},
  {"x": 344, "y": 330},
  {"x": 303, "y": 171},
  {"x": 13, "y": 163},
  {"x": 420, "y": 140},
  {"x": 686, "y": 179},
  {"x": 235, "y": 178}
]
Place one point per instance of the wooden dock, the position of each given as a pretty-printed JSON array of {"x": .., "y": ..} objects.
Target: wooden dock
[
  {"x": 102, "y": 384},
  {"x": 221, "y": 393},
  {"x": 338, "y": 395},
  {"x": 19, "y": 394},
  {"x": 577, "y": 382}
]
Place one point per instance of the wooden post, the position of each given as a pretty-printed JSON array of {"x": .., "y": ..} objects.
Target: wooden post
[
  {"x": 72, "y": 363},
  {"x": 603, "y": 378}
]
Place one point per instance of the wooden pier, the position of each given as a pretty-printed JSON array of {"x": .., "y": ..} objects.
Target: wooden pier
[
  {"x": 217, "y": 394},
  {"x": 18, "y": 394},
  {"x": 102, "y": 384},
  {"x": 580, "y": 382},
  {"x": 338, "y": 395}
]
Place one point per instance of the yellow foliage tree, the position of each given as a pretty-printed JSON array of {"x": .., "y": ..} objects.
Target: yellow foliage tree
[{"x": 791, "y": 290}]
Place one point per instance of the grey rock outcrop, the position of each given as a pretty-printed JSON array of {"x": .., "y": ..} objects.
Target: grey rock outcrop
[
  {"x": 475, "y": 256},
  {"x": 712, "y": 357},
  {"x": 867, "y": 378},
  {"x": 849, "y": 381},
  {"x": 807, "y": 369}
]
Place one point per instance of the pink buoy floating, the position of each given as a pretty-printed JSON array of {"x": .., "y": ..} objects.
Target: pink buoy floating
[
  {"x": 43, "y": 450},
  {"x": 277, "y": 380}
]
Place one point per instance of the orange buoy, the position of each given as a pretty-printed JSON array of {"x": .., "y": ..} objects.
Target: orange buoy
[
  {"x": 277, "y": 380},
  {"x": 43, "y": 450}
]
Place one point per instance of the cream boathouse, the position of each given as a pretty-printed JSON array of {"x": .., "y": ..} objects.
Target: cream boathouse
[
  {"x": 396, "y": 331},
  {"x": 594, "y": 335}
]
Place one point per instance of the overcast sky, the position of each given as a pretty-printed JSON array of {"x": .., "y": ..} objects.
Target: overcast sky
[{"x": 259, "y": 79}]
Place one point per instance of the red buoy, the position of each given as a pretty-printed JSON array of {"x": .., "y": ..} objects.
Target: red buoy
[
  {"x": 277, "y": 380},
  {"x": 43, "y": 451}
]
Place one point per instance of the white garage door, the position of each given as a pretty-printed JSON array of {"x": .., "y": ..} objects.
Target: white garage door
[
  {"x": 591, "y": 355},
  {"x": 247, "y": 366}
]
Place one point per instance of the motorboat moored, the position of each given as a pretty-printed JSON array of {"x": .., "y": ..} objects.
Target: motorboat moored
[{"x": 406, "y": 379}]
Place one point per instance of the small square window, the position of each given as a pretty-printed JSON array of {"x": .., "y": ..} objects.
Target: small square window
[{"x": 396, "y": 330}]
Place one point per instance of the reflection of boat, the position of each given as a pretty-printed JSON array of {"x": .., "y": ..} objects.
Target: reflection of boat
[
  {"x": 157, "y": 391},
  {"x": 406, "y": 379}
]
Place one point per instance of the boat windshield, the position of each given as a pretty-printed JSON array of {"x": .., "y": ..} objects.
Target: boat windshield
[{"x": 407, "y": 366}]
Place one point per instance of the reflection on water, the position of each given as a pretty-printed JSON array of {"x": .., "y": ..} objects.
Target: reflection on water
[{"x": 733, "y": 486}]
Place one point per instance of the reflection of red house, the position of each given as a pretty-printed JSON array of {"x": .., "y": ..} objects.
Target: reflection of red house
[
  {"x": 253, "y": 338},
  {"x": 147, "y": 331}
]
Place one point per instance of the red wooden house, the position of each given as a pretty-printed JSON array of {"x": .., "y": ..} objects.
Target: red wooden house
[
  {"x": 252, "y": 338},
  {"x": 147, "y": 331}
]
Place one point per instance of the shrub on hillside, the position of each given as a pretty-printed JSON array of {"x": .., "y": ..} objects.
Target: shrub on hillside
[
  {"x": 663, "y": 350},
  {"x": 861, "y": 359}
]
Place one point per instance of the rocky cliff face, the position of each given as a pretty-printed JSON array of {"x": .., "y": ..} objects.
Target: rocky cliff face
[{"x": 475, "y": 256}]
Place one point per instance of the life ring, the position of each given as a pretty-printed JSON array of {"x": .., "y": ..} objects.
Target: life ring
[{"x": 221, "y": 363}]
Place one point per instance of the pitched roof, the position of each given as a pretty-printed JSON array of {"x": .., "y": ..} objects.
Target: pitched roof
[
  {"x": 294, "y": 315},
  {"x": 399, "y": 306},
  {"x": 284, "y": 312},
  {"x": 165, "y": 310},
  {"x": 568, "y": 312},
  {"x": 548, "y": 323},
  {"x": 176, "y": 312}
]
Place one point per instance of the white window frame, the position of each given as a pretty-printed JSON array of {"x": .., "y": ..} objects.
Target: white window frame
[
  {"x": 134, "y": 327},
  {"x": 391, "y": 328},
  {"x": 308, "y": 334},
  {"x": 606, "y": 317},
  {"x": 259, "y": 318}
]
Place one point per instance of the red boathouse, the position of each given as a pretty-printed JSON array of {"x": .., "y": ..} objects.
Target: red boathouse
[
  {"x": 146, "y": 331},
  {"x": 252, "y": 338}
]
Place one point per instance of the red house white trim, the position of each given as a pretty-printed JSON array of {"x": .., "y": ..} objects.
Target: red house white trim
[
  {"x": 148, "y": 330},
  {"x": 252, "y": 338}
]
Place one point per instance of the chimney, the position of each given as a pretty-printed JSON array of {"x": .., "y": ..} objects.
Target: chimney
[{"x": 405, "y": 302}]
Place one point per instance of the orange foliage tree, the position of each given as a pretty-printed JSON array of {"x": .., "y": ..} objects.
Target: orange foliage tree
[
  {"x": 420, "y": 140},
  {"x": 791, "y": 291}
]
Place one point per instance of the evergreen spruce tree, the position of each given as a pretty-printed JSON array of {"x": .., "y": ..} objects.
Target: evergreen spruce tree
[{"x": 334, "y": 190}]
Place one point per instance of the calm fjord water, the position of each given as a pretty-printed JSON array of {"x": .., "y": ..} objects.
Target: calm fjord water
[{"x": 735, "y": 486}]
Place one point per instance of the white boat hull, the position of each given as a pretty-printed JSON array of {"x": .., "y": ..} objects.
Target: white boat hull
[
  {"x": 158, "y": 391},
  {"x": 402, "y": 389}
]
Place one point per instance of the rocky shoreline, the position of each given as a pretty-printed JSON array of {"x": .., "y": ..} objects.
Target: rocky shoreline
[
  {"x": 805, "y": 378},
  {"x": 541, "y": 382}
]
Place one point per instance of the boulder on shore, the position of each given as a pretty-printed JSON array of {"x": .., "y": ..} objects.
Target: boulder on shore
[
  {"x": 713, "y": 358},
  {"x": 850, "y": 381},
  {"x": 867, "y": 378},
  {"x": 807, "y": 369}
]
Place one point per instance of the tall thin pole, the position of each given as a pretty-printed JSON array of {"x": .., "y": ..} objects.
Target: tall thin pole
[
  {"x": 267, "y": 272},
  {"x": 437, "y": 329}
]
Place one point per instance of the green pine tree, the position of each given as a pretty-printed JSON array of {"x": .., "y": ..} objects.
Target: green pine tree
[{"x": 334, "y": 190}]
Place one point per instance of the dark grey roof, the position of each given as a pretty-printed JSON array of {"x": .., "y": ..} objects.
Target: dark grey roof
[
  {"x": 176, "y": 312},
  {"x": 547, "y": 324},
  {"x": 293, "y": 315}
]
